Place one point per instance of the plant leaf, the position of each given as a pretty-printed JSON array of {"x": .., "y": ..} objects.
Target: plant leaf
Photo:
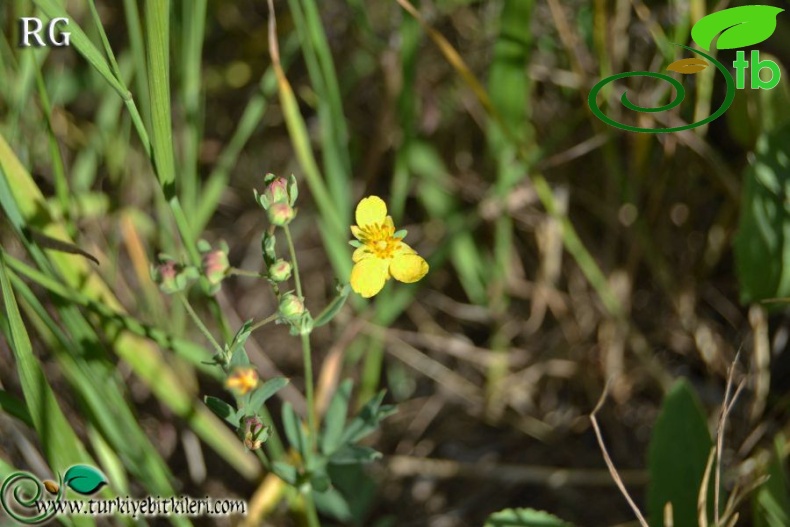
[
  {"x": 334, "y": 306},
  {"x": 524, "y": 518},
  {"x": 678, "y": 454},
  {"x": 223, "y": 410},
  {"x": 739, "y": 27},
  {"x": 772, "y": 500},
  {"x": 293, "y": 430},
  {"x": 354, "y": 454},
  {"x": 285, "y": 472},
  {"x": 264, "y": 393},
  {"x": 84, "y": 479},
  {"x": 336, "y": 418},
  {"x": 762, "y": 245}
]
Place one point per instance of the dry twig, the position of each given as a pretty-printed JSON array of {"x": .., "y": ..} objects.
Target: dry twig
[{"x": 612, "y": 470}]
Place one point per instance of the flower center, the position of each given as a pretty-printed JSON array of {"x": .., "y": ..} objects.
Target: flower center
[{"x": 380, "y": 241}]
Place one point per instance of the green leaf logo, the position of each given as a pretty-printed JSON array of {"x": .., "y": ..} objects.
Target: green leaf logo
[
  {"x": 739, "y": 27},
  {"x": 84, "y": 479}
]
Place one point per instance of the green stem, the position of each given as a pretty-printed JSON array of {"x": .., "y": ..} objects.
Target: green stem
[
  {"x": 263, "y": 322},
  {"x": 308, "y": 380},
  {"x": 244, "y": 272},
  {"x": 264, "y": 460},
  {"x": 201, "y": 326},
  {"x": 310, "y": 512},
  {"x": 307, "y": 355},
  {"x": 292, "y": 252}
]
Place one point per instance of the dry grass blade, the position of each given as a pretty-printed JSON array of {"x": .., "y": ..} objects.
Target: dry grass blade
[
  {"x": 612, "y": 470},
  {"x": 727, "y": 405},
  {"x": 669, "y": 515},
  {"x": 702, "y": 498}
]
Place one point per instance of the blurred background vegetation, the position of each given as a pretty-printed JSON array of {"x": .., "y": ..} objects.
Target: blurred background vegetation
[{"x": 564, "y": 252}]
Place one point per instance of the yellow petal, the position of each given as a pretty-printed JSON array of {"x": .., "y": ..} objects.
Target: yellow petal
[
  {"x": 357, "y": 232},
  {"x": 408, "y": 268},
  {"x": 404, "y": 248},
  {"x": 368, "y": 276},
  {"x": 371, "y": 211},
  {"x": 360, "y": 253}
]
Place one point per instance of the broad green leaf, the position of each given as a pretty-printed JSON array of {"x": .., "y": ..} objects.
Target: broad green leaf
[
  {"x": 354, "y": 454},
  {"x": 524, "y": 518},
  {"x": 264, "y": 392},
  {"x": 762, "y": 244},
  {"x": 333, "y": 308},
  {"x": 739, "y": 27},
  {"x": 294, "y": 431},
  {"x": 223, "y": 410},
  {"x": 285, "y": 472},
  {"x": 332, "y": 503},
  {"x": 84, "y": 479},
  {"x": 678, "y": 454},
  {"x": 367, "y": 420},
  {"x": 335, "y": 419},
  {"x": 15, "y": 408},
  {"x": 772, "y": 500}
]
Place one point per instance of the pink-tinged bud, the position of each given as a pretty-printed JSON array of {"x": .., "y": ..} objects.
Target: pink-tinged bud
[
  {"x": 277, "y": 191},
  {"x": 215, "y": 266},
  {"x": 172, "y": 277},
  {"x": 280, "y": 271},
  {"x": 281, "y": 214},
  {"x": 254, "y": 433},
  {"x": 291, "y": 307}
]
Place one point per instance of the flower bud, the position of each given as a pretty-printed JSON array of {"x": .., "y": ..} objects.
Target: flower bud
[
  {"x": 291, "y": 307},
  {"x": 276, "y": 190},
  {"x": 254, "y": 433},
  {"x": 281, "y": 214},
  {"x": 215, "y": 266},
  {"x": 280, "y": 271},
  {"x": 171, "y": 276}
]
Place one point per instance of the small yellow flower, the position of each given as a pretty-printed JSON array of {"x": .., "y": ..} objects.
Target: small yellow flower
[
  {"x": 242, "y": 381},
  {"x": 381, "y": 253}
]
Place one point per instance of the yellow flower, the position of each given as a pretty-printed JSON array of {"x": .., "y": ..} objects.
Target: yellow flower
[
  {"x": 242, "y": 380},
  {"x": 380, "y": 252}
]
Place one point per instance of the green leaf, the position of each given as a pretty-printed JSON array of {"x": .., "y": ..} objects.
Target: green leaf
[
  {"x": 762, "y": 244},
  {"x": 335, "y": 419},
  {"x": 15, "y": 408},
  {"x": 320, "y": 482},
  {"x": 84, "y": 479},
  {"x": 268, "y": 243},
  {"x": 678, "y": 454},
  {"x": 223, "y": 410},
  {"x": 334, "y": 306},
  {"x": 354, "y": 454},
  {"x": 285, "y": 472},
  {"x": 332, "y": 503},
  {"x": 739, "y": 27},
  {"x": 772, "y": 500},
  {"x": 294, "y": 431},
  {"x": 367, "y": 420},
  {"x": 240, "y": 338},
  {"x": 524, "y": 518},
  {"x": 264, "y": 392}
]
